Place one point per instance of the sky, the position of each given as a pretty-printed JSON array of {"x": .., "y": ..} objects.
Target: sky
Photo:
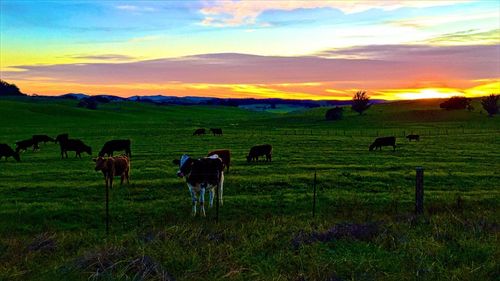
[{"x": 393, "y": 49}]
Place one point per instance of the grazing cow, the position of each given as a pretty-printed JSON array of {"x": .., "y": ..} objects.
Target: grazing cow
[
  {"x": 202, "y": 174},
  {"x": 199, "y": 132},
  {"x": 113, "y": 167},
  {"x": 216, "y": 131},
  {"x": 25, "y": 144},
  {"x": 260, "y": 150},
  {"x": 6, "y": 151},
  {"x": 116, "y": 145},
  {"x": 42, "y": 138},
  {"x": 224, "y": 155},
  {"x": 413, "y": 137},
  {"x": 383, "y": 141},
  {"x": 74, "y": 145},
  {"x": 62, "y": 137}
]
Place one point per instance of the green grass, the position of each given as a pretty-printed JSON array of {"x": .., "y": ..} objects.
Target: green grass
[{"x": 266, "y": 204}]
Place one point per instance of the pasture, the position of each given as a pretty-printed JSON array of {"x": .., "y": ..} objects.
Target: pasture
[{"x": 52, "y": 210}]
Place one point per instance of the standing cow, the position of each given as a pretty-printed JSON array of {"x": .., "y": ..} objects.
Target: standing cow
[
  {"x": 6, "y": 151},
  {"x": 25, "y": 144},
  {"x": 260, "y": 150},
  {"x": 413, "y": 137},
  {"x": 199, "y": 132},
  {"x": 224, "y": 155},
  {"x": 383, "y": 141},
  {"x": 118, "y": 166},
  {"x": 42, "y": 138},
  {"x": 216, "y": 131},
  {"x": 202, "y": 174},
  {"x": 74, "y": 145},
  {"x": 115, "y": 145}
]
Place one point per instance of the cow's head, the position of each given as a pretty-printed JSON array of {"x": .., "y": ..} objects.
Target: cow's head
[
  {"x": 100, "y": 163},
  {"x": 371, "y": 147},
  {"x": 185, "y": 165},
  {"x": 88, "y": 149},
  {"x": 249, "y": 158}
]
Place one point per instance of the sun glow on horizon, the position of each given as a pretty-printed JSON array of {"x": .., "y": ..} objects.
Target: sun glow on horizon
[{"x": 428, "y": 93}]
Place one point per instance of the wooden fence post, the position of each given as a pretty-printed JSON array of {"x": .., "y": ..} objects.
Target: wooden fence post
[
  {"x": 419, "y": 191},
  {"x": 107, "y": 209},
  {"x": 314, "y": 195},
  {"x": 217, "y": 202}
]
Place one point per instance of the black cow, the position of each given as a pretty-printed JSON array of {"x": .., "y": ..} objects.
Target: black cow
[
  {"x": 413, "y": 137},
  {"x": 62, "y": 137},
  {"x": 260, "y": 150},
  {"x": 25, "y": 144},
  {"x": 42, "y": 138},
  {"x": 115, "y": 145},
  {"x": 74, "y": 145},
  {"x": 199, "y": 132},
  {"x": 224, "y": 155},
  {"x": 216, "y": 131},
  {"x": 6, "y": 151},
  {"x": 383, "y": 141},
  {"x": 202, "y": 174}
]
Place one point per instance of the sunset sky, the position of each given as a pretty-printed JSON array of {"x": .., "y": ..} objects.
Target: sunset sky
[{"x": 399, "y": 49}]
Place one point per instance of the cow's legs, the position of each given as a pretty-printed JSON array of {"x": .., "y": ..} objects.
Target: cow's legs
[
  {"x": 193, "y": 199},
  {"x": 211, "y": 197},
  {"x": 202, "y": 202},
  {"x": 122, "y": 178},
  {"x": 221, "y": 188}
]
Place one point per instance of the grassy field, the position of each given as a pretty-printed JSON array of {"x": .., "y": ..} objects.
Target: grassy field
[{"x": 52, "y": 210}]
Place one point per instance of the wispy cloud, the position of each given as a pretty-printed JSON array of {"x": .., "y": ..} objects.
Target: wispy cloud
[
  {"x": 135, "y": 8},
  {"x": 488, "y": 37},
  {"x": 104, "y": 57},
  {"x": 376, "y": 66},
  {"x": 245, "y": 12}
]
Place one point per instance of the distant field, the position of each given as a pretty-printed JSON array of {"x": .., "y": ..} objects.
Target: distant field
[{"x": 267, "y": 206}]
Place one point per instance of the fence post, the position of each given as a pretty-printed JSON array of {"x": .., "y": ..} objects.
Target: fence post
[
  {"x": 107, "y": 209},
  {"x": 217, "y": 203},
  {"x": 419, "y": 191},
  {"x": 314, "y": 195}
]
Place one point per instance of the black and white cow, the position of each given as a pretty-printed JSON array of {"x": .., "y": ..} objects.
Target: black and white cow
[{"x": 201, "y": 175}]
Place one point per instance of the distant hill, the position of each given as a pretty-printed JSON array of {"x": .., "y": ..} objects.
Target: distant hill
[{"x": 189, "y": 100}]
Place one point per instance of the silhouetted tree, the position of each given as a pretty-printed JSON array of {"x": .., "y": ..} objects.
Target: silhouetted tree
[
  {"x": 455, "y": 103},
  {"x": 7, "y": 89},
  {"x": 360, "y": 102},
  {"x": 334, "y": 113},
  {"x": 490, "y": 104}
]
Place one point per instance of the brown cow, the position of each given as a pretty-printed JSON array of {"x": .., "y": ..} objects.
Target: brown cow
[
  {"x": 113, "y": 167},
  {"x": 224, "y": 154}
]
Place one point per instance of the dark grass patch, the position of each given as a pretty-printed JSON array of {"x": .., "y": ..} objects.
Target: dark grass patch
[
  {"x": 44, "y": 242},
  {"x": 115, "y": 262},
  {"x": 354, "y": 231}
]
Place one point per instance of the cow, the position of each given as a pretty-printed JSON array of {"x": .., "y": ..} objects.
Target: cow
[
  {"x": 199, "y": 132},
  {"x": 383, "y": 141},
  {"x": 74, "y": 145},
  {"x": 61, "y": 137},
  {"x": 6, "y": 151},
  {"x": 25, "y": 144},
  {"x": 115, "y": 145},
  {"x": 260, "y": 150},
  {"x": 42, "y": 138},
  {"x": 224, "y": 155},
  {"x": 216, "y": 131},
  {"x": 413, "y": 137},
  {"x": 202, "y": 174},
  {"x": 113, "y": 167}
]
